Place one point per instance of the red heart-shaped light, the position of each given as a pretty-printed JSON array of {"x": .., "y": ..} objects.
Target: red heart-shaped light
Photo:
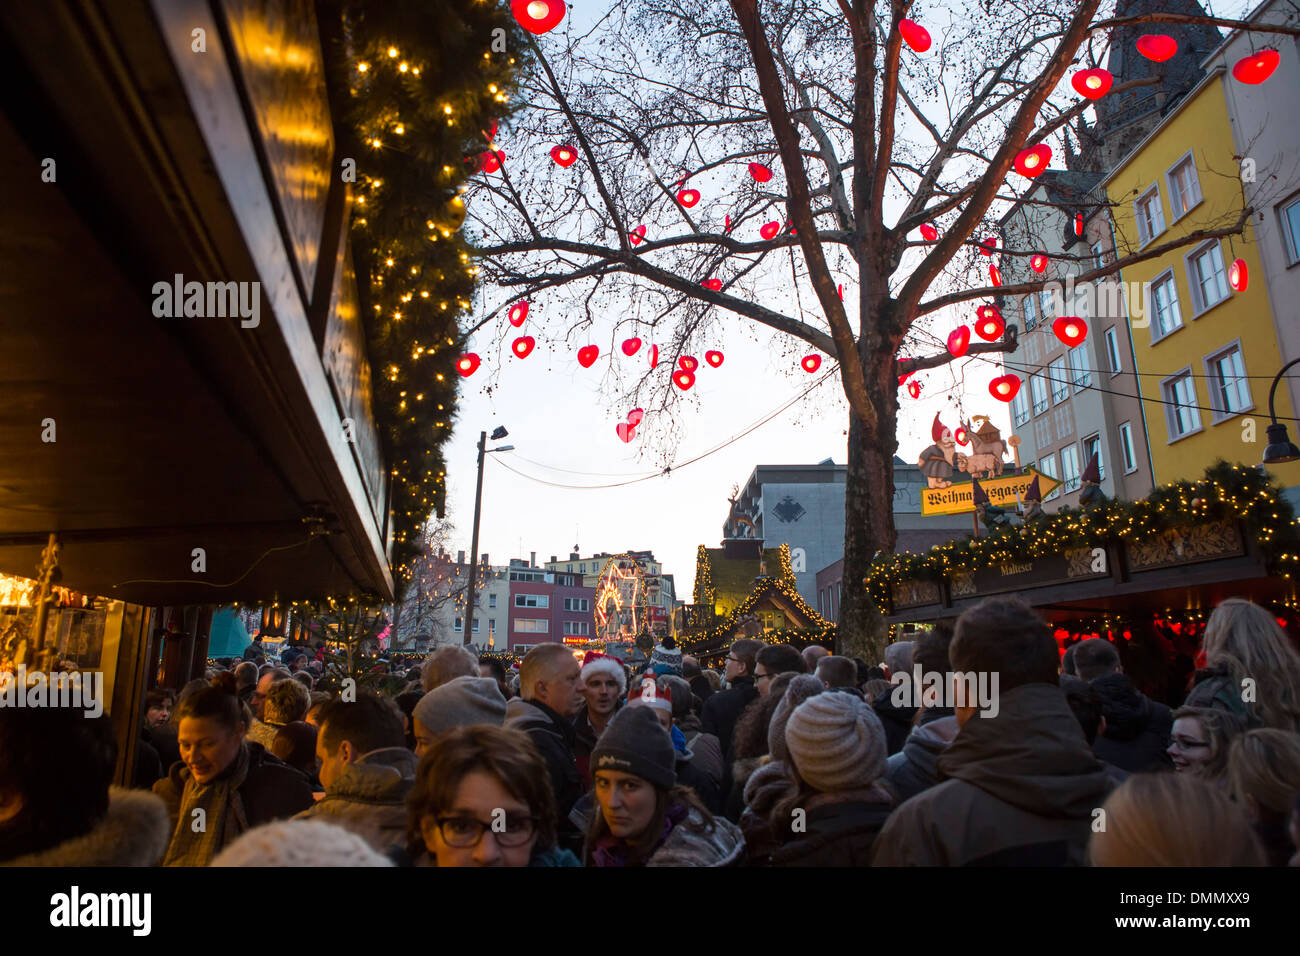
[
  {"x": 904, "y": 377},
  {"x": 635, "y": 416},
  {"x": 1038, "y": 262},
  {"x": 688, "y": 197},
  {"x": 914, "y": 388},
  {"x": 960, "y": 436},
  {"x": 995, "y": 275},
  {"x": 714, "y": 284},
  {"x": 917, "y": 36},
  {"x": 564, "y": 155},
  {"x": 491, "y": 131},
  {"x": 631, "y": 346},
  {"x": 840, "y": 289},
  {"x": 467, "y": 364},
  {"x": 1033, "y": 161},
  {"x": 538, "y": 16},
  {"x": 928, "y": 232},
  {"x": 1157, "y": 46},
  {"x": 625, "y": 431},
  {"x": 523, "y": 345},
  {"x": 1257, "y": 67},
  {"x": 988, "y": 245},
  {"x": 636, "y": 235},
  {"x": 713, "y": 357},
  {"x": 491, "y": 161},
  {"x": 1093, "y": 84},
  {"x": 688, "y": 363},
  {"x": 769, "y": 230},
  {"x": 587, "y": 355},
  {"x": 654, "y": 355},
  {"x": 791, "y": 229},
  {"x": 959, "y": 341},
  {"x": 760, "y": 172},
  {"x": 1238, "y": 275},
  {"x": 1070, "y": 329},
  {"x": 683, "y": 379},
  {"x": 989, "y": 324},
  {"x": 726, "y": 223},
  {"x": 1004, "y": 387},
  {"x": 811, "y": 363},
  {"x": 518, "y": 312}
]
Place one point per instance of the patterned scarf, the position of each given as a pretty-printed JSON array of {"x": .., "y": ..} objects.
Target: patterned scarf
[
  {"x": 223, "y": 815},
  {"x": 611, "y": 851}
]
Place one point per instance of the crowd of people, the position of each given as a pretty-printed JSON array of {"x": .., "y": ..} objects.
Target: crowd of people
[{"x": 787, "y": 758}]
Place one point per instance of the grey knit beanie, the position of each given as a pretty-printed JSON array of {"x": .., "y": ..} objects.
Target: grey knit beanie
[
  {"x": 635, "y": 742},
  {"x": 461, "y": 702},
  {"x": 800, "y": 689},
  {"x": 300, "y": 843},
  {"x": 836, "y": 742}
]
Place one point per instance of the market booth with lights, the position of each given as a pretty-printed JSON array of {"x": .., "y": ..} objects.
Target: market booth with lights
[{"x": 1143, "y": 574}]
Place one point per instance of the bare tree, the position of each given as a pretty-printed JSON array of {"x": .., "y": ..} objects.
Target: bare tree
[{"x": 867, "y": 139}]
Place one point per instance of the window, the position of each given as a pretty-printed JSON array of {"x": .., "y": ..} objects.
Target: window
[
  {"x": 1098, "y": 256},
  {"x": 1032, "y": 313},
  {"x": 1290, "y": 213},
  {"x": 568, "y": 567},
  {"x": 1184, "y": 188},
  {"x": 1112, "y": 350},
  {"x": 1060, "y": 384},
  {"x": 526, "y": 625},
  {"x": 1229, "y": 388},
  {"x": 577, "y": 604},
  {"x": 1020, "y": 408},
  {"x": 1206, "y": 275},
  {"x": 1079, "y": 366},
  {"x": 532, "y": 600},
  {"x": 1126, "y": 445},
  {"x": 1038, "y": 388},
  {"x": 1070, "y": 467},
  {"x": 460, "y": 625},
  {"x": 577, "y": 628},
  {"x": 1048, "y": 467},
  {"x": 1092, "y": 446},
  {"x": 492, "y": 600},
  {"x": 1045, "y": 304},
  {"x": 1150, "y": 217},
  {"x": 534, "y": 576},
  {"x": 1164, "y": 302},
  {"x": 1181, "y": 413}
]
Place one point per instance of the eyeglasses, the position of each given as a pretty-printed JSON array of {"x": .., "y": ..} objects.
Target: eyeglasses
[
  {"x": 736, "y": 659},
  {"x": 463, "y": 832},
  {"x": 1185, "y": 744},
  {"x": 758, "y": 677}
]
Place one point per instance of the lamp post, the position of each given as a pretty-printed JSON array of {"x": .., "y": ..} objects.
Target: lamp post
[
  {"x": 497, "y": 435},
  {"x": 1280, "y": 447}
]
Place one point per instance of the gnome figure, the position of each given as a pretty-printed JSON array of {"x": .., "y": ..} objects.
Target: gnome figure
[
  {"x": 936, "y": 461},
  {"x": 990, "y": 515},
  {"x": 1091, "y": 493},
  {"x": 1033, "y": 501}
]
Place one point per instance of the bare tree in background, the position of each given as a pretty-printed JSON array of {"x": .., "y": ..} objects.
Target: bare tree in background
[{"x": 867, "y": 139}]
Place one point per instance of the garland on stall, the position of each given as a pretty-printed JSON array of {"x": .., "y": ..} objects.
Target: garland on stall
[
  {"x": 1227, "y": 491},
  {"x": 821, "y": 630},
  {"x": 420, "y": 88}
]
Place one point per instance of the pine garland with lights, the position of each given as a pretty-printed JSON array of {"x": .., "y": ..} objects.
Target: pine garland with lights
[
  {"x": 1227, "y": 491},
  {"x": 704, "y": 592},
  {"x": 822, "y": 631},
  {"x": 421, "y": 89},
  {"x": 786, "y": 573}
]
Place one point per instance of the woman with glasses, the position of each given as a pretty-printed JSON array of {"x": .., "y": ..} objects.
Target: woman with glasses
[
  {"x": 1198, "y": 743},
  {"x": 482, "y": 797}
]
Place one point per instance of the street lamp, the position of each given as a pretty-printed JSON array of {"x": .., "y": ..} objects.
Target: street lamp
[
  {"x": 497, "y": 434},
  {"x": 1280, "y": 447}
]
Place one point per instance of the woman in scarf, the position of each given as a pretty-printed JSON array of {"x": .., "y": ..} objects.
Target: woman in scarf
[{"x": 224, "y": 784}]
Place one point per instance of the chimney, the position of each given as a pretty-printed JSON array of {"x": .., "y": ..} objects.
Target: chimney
[
  {"x": 573, "y": 555},
  {"x": 554, "y": 559},
  {"x": 483, "y": 558},
  {"x": 532, "y": 559},
  {"x": 460, "y": 557}
]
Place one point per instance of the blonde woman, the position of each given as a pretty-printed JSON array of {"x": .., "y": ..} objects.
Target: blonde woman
[
  {"x": 1198, "y": 742},
  {"x": 1173, "y": 819},
  {"x": 1264, "y": 777},
  {"x": 1244, "y": 643}
]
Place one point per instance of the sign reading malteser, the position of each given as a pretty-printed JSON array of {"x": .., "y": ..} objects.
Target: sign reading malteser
[{"x": 960, "y": 499}]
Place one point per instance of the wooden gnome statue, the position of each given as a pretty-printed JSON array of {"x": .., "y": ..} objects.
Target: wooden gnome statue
[
  {"x": 1091, "y": 493},
  {"x": 1033, "y": 501},
  {"x": 989, "y": 514},
  {"x": 936, "y": 461}
]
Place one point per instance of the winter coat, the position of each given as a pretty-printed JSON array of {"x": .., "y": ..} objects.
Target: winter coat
[
  {"x": 148, "y": 765},
  {"x": 688, "y": 845},
  {"x": 741, "y": 770},
  {"x": 584, "y": 742},
  {"x": 701, "y": 688},
  {"x": 163, "y": 739},
  {"x": 916, "y": 766},
  {"x": 689, "y": 774},
  {"x": 134, "y": 832},
  {"x": 897, "y": 721},
  {"x": 1020, "y": 790},
  {"x": 369, "y": 797},
  {"x": 723, "y": 710},
  {"x": 708, "y": 754},
  {"x": 263, "y": 733},
  {"x": 841, "y": 829},
  {"x": 554, "y": 738},
  {"x": 1215, "y": 688},
  {"x": 1137, "y": 728}
]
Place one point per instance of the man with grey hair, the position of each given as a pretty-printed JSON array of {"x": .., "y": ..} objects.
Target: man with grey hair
[
  {"x": 446, "y": 664},
  {"x": 896, "y": 718},
  {"x": 812, "y": 654},
  {"x": 550, "y": 695}
]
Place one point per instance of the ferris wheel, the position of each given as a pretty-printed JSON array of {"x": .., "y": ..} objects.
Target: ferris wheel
[{"x": 622, "y": 605}]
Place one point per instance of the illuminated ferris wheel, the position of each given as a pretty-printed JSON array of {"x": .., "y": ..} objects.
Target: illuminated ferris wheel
[{"x": 622, "y": 606}]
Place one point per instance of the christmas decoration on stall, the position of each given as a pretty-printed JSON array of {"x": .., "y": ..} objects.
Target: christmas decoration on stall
[
  {"x": 1091, "y": 494},
  {"x": 1033, "y": 502},
  {"x": 711, "y": 646},
  {"x": 621, "y": 609},
  {"x": 987, "y": 448},
  {"x": 936, "y": 461},
  {"x": 989, "y": 514},
  {"x": 416, "y": 95}
]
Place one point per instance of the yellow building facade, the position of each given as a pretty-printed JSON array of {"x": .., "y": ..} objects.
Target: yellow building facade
[{"x": 1205, "y": 352}]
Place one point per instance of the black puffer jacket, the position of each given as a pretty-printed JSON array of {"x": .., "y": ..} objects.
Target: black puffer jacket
[{"x": 1137, "y": 727}]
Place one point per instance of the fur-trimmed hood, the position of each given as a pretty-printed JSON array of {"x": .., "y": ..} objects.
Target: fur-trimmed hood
[{"x": 134, "y": 832}]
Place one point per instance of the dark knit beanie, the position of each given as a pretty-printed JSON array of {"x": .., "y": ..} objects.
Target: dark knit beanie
[{"x": 635, "y": 742}]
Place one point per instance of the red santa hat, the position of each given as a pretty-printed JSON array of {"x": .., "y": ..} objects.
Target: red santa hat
[
  {"x": 598, "y": 663},
  {"x": 650, "y": 694},
  {"x": 937, "y": 429}
]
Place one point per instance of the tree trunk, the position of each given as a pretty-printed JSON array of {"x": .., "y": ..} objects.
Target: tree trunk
[{"x": 869, "y": 510}]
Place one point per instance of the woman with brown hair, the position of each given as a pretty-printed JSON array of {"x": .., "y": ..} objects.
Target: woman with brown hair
[
  {"x": 1245, "y": 649},
  {"x": 482, "y": 797},
  {"x": 643, "y": 817},
  {"x": 1172, "y": 819},
  {"x": 1199, "y": 739},
  {"x": 1264, "y": 779}
]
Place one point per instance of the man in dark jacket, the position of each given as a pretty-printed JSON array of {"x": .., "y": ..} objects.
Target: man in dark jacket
[
  {"x": 550, "y": 694},
  {"x": 692, "y": 674},
  {"x": 897, "y": 717},
  {"x": 723, "y": 709},
  {"x": 1022, "y": 784},
  {"x": 1137, "y": 728}
]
